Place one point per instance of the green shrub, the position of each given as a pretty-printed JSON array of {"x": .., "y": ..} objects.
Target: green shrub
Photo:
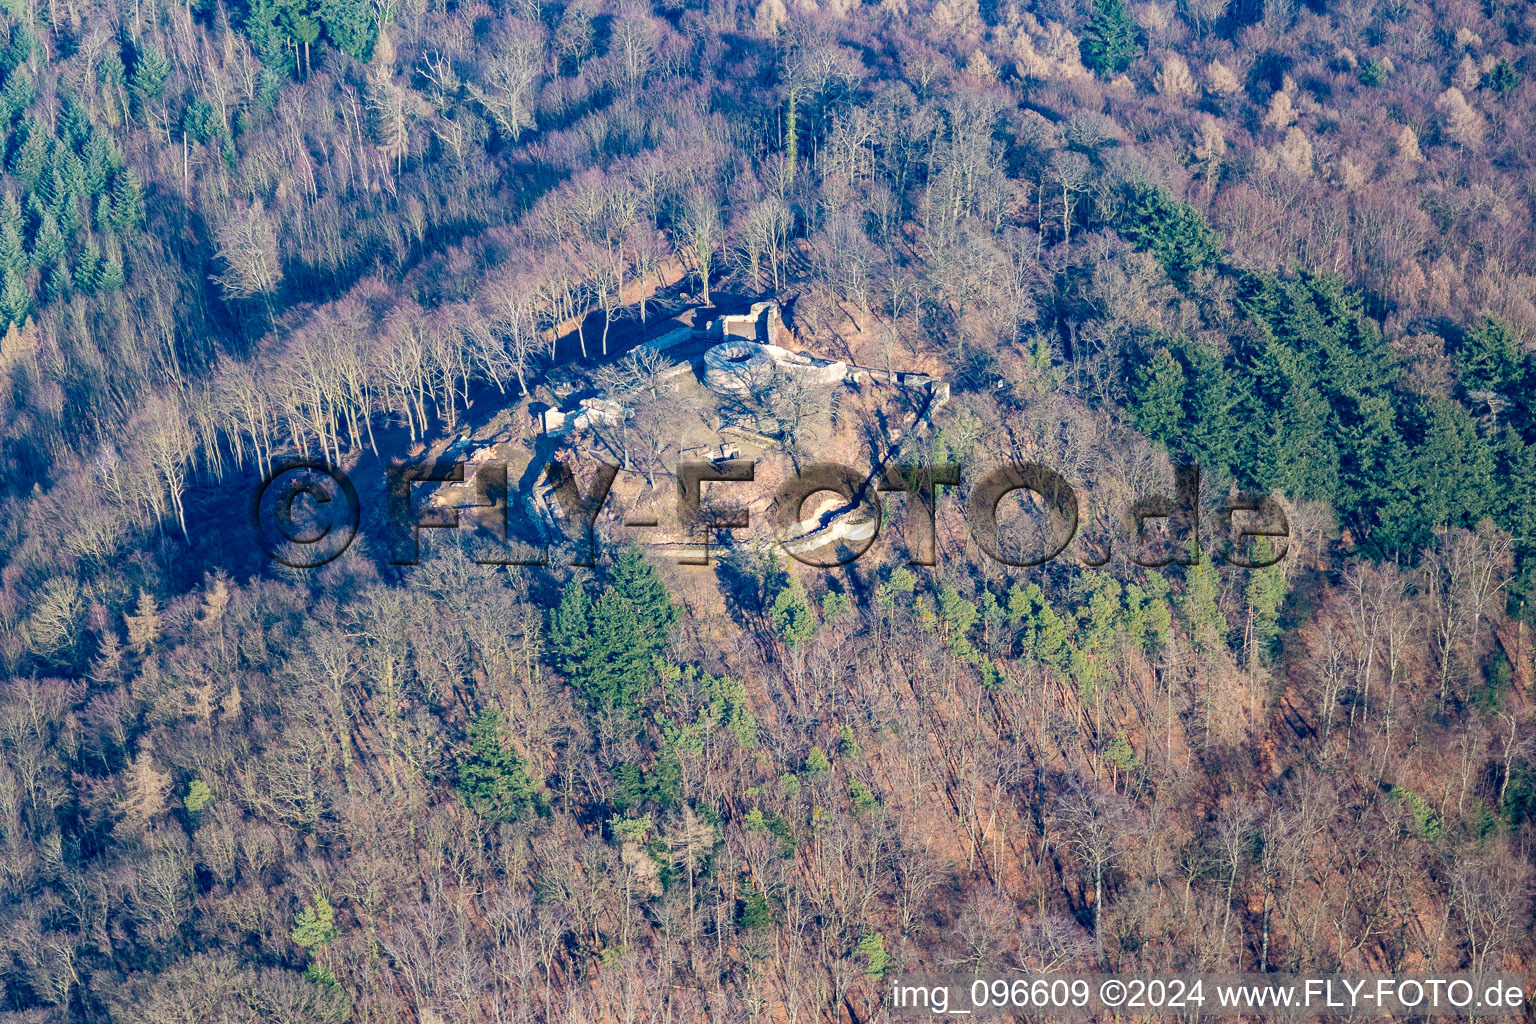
[
  {"x": 1502, "y": 78},
  {"x": 199, "y": 797},
  {"x": 752, "y": 910},
  {"x": 1426, "y": 823},
  {"x": 872, "y": 948},
  {"x": 314, "y": 926}
]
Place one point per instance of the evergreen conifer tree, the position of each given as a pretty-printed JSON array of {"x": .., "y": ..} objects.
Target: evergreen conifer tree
[
  {"x": 20, "y": 49},
  {"x": 634, "y": 578},
  {"x": 1158, "y": 398},
  {"x": 150, "y": 70},
  {"x": 1489, "y": 357},
  {"x": 1042, "y": 633},
  {"x": 30, "y": 159},
  {"x": 314, "y": 926},
  {"x": 48, "y": 246},
  {"x": 13, "y": 247},
  {"x": 127, "y": 200},
  {"x": 111, "y": 278},
  {"x": 602, "y": 648},
  {"x": 1213, "y": 431},
  {"x": 791, "y": 614},
  {"x": 490, "y": 776},
  {"x": 88, "y": 266},
  {"x": 57, "y": 280},
  {"x": 1174, "y": 232},
  {"x": 619, "y": 666},
  {"x": 571, "y": 628},
  {"x": 15, "y": 297},
  {"x": 1502, "y": 78},
  {"x": 1109, "y": 44},
  {"x": 753, "y": 911},
  {"x": 74, "y": 123},
  {"x": 17, "y": 96},
  {"x": 99, "y": 165},
  {"x": 1265, "y": 592},
  {"x": 1203, "y": 619},
  {"x": 349, "y": 24}
]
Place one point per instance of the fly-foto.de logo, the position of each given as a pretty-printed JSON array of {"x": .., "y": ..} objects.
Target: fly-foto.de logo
[{"x": 306, "y": 514}]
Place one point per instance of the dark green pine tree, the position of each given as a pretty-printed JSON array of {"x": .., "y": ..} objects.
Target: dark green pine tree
[
  {"x": 112, "y": 274},
  {"x": 1319, "y": 314},
  {"x": 1502, "y": 78},
  {"x": 74, "y": 123},
  {"x": 57, "y": 281},
  {"x": 51, "y": 191},
  {"x": 13, "y": 245},
  {"x": 1109, "y": 43},
  {"x": 634, "y": 578},
  {"x": 791, "y": 613},
  {"x": 1453, "y": 475},
  {"x": 30, "y": 159},
  {"x": 1158, "y": 398},
  {"x": 1521, "y": 411},
  {"x": 1516, "y": 512},
  {"x": 102, "y": 220},
  {"x": 1174, "y": 232},
  {"x": 1287, "y": 445},
  {"x": 619, "y": 666},
  {"x": 110, "y": 72},
  {"x": 349, "y": 24},
  {"x": 17, "y": 96},
  {"x": 1307, "y": 464},
  {"x": 200, "y": 121},
  {"x": 1372, "y": 451},
  {"x": 636, "y": 785},
  {"x": 490, "y": 776},
  {"x": 260, "y": 27},
  {"x": 127, "y": 200},
  {"x": 15, "y": 298},
  {"x": 752, "y": 909},
  {"x": 1213, "y": 429},
  {"x": 570, "y": 631},
  {"x": 36, "y": 209},
  {"x": 1201, "y": 606},
  {"x": 71, "y": 171},
  {"x": 306, "y": 31},
  {"x": 1489, "y": 357},
  {"x": 20, "y": 50},
  {"x": 1347, "y": 360},
  {"x": 601, "y": 648},
  {"x": 100, "y": 164},
  {"x": 150, "y": 70},
  {"x": 48, "y": 245},
  {"x": 88, "y": 266},
  {"x": 67, "y": 208}
]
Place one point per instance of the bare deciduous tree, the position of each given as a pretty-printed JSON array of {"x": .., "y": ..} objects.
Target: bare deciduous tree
[
  {"x": 247, "y": 245},
  {"x": 1096, "y": 826},
  {"x": 698, "y": 235},
  {"x": 509, "y": 77}
]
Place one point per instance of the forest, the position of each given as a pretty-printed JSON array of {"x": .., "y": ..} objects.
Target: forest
[{"x": 1290, "y": 241}]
